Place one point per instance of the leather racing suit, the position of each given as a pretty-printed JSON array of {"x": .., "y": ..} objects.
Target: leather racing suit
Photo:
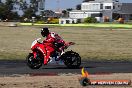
[{"x": 51, "y": 38}]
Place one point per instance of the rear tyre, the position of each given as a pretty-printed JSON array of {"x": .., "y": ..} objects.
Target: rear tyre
[
  {"x": 33, "y": 63},
  {"x": 71, "y": 59}
]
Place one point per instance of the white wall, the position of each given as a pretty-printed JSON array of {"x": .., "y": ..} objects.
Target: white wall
[
  {"x": 80, "y": 15},
  {"x": 107, "y": 4},
  {"x": 63, "y": 20},
  {"x": 90, "y": 6},
  {"x": 95, "y": 6}
]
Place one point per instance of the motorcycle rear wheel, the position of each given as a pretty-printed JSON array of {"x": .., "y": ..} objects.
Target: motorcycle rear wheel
[
  {"x": 71, "y": 59},
  {"x": 33, "y": 63}
]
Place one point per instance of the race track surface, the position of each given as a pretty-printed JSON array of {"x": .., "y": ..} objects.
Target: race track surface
[{"x": 9, "y": 68}]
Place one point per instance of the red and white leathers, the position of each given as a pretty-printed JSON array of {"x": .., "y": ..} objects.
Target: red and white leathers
[{"x": 49, "y": 45}]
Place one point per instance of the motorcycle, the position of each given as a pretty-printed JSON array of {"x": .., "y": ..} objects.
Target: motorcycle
[{"x": 69, "y": 58}]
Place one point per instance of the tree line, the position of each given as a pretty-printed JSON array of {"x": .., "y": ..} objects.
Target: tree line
[
  {"x": 7, "y": 13},
  {"x": 6, "y": 8}
]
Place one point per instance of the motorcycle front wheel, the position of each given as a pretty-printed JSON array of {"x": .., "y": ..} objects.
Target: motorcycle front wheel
[
  {"x": 33, "y": 63},
  {"x": 71, "y": 59}
]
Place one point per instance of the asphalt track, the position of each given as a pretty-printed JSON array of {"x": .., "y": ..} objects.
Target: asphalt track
[{"x": 10, "y": 68}]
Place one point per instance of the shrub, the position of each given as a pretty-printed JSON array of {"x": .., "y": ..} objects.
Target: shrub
[
  {"x": 106, "y": 19},
  {"x": 79, "y": 21},
  {"x": 54, "y": 21},
  {"x": 121, "y": 20},
  {"x": 40, "y": 22},
  {"x": 90, "y": 20}
]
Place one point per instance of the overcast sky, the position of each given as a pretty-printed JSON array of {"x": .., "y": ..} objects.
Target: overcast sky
[{"x": 52, "y": 4}]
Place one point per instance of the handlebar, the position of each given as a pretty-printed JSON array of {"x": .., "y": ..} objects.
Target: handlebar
[
  {"x": 72, "y": 43},
  {"x": 69, "y": 44},
  {"x": 39, "y": 42}
]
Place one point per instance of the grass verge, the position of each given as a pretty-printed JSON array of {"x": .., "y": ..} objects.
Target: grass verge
[
  {"x": 91, "y": 25},
  {"x": 92, "y": 44}
]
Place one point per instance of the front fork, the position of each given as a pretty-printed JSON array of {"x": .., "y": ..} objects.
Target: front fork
[{"x": 34, "y": 54}]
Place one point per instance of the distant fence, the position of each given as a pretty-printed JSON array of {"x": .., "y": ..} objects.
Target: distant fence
[{"x": 9, "y": 24}]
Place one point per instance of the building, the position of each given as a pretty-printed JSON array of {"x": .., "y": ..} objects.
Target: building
[
  {"x": 97, "y": 9},
  {"x": 103, "y": 9},
  {"x": 124, "y": 11}
]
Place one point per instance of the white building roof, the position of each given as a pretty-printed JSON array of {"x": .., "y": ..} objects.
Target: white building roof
[
  {"x": 103, "y": 1},
  {"x": 83, "y": 11}
]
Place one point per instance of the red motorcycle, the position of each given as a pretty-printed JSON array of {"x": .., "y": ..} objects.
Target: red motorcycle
[{"x": 69, "y": 58}]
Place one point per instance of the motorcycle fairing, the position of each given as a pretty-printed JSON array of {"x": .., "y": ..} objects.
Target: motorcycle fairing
[{"x": 41, "y": 48}]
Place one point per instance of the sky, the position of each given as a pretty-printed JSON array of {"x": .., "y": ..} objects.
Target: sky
[{"x": 63, "y": 4}]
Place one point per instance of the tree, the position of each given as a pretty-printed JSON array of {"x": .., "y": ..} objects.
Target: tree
[
  {"x": 78, "y": 7},
  {"x": 6, "y": 11},
  {"x": 29, "y": 13},
  {"x": 69, "y": 9},
  {"x": 65, "y": 13},
  {"x": 34, "y": 5},
  {"x": 90, "y": 20}
]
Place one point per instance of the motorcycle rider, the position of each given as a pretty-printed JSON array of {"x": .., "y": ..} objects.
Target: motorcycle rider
[{"x": 49, "y": 43}]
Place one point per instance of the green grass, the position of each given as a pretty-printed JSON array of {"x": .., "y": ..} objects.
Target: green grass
[
  {"x": 30, "y": 24},
  {"x": 92, "y": 44},
  {"x": 92, "y": 25},
  {"x": 13, "y": 55}
]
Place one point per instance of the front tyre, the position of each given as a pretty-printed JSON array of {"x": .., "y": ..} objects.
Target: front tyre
[
  {"x": 71, "y": 59},
  {"x": 33, "y": 63}
]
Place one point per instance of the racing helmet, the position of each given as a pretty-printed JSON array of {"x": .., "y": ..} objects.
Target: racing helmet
[{"x": 44, "y": 31}]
